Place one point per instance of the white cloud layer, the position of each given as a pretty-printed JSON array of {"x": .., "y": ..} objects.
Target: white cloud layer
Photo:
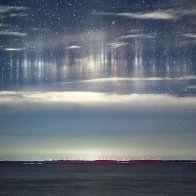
[{"x": 93, "y": 98}]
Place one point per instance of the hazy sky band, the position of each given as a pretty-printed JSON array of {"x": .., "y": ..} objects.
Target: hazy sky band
[{"x": 57, "y": 124}]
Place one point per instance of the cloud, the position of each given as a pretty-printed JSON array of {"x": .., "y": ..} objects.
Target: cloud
[
  {"x": 73, "y": 47},
  {"x": 4, "y": 9},
  {"x": 13, "y": 33},
  {"x": 118, "y": 79},
  {"x": 155, "y": 15},
  {"x": 13, "y": 49},
  {"x": 188, "y": 11},
  {"x": 160, "y": 14},
  {"x": 115, "y": 45},
  {"x": 21, "y": 14},
  {"x": 136, "y": 36},
  {"x": 190, "y": 35},
  {"x": 13, "y": 11},
  {"x": 3, "y": 25},
  {"x": 164, "y": 14},
  {"x": 192, "y": 87},
  {"x": 186, "y": 77},
  {"x": 93, "y": 98}
]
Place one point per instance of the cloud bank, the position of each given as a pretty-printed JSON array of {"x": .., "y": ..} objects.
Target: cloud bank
[{"x": 92, "y": 98}]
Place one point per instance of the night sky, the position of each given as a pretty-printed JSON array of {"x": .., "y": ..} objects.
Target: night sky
[{"x": 92, "y": 79}]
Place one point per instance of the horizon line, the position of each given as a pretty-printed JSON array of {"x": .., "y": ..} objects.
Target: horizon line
[{"x": 99, "y": 160}]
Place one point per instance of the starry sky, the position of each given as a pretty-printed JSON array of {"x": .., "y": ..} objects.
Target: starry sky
[{"x": 86, "y": 80}]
